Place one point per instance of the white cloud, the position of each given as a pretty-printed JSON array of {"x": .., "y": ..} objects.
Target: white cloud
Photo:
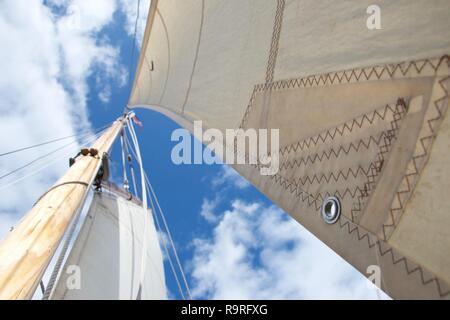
[
  {"x": 208, "y": 208},
  {"x": 229, "y": 177},
  {"x": 259, "y": 252},
  {"x": 105, "y": 94},
  {"x": 46, "y": 60}
]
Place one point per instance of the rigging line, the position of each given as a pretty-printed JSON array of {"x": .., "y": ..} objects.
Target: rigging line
[
  {"x": 41, "y": 157},
  {"x": 170, "y": 237},
  {"x": 124, "y": 163},
  {"x": 167, "y": 229},
  {"x": 70, "y": 235},
  {"x": 169, "y": 257},
  {"x": 130, "y": 164},
  {"x": 62, "y": 256},
  {"x": 144, "y": 204},
  {"x": 48, "y": 142},
  {"x": 133, "y": 49},
  {"x": 46, "y": 165}
]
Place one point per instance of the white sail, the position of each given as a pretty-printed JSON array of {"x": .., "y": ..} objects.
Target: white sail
[
  {"x": 361, "y": 112},
  {"x": 105, "y": 260}
]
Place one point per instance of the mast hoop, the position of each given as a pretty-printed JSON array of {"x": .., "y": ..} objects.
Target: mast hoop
[{"x": 85, "y": 184}]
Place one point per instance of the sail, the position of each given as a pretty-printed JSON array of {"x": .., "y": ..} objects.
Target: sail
[
  {"x": 361, "y": 113},
  {"x": 105, "y": 260}
]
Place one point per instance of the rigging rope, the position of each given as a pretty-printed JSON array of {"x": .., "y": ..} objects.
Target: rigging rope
[
  {"x": 130, "y": 163},
  {"x": 169, "y": 235},
  {"x": 126, "y": 185},
  {"x": 62, "y": 256},
  {"x": 133, "y": 49},
  {"x": 48, "y": 164},
  {"x": 42, "y": 157},
  {"x": 144, "y": 204},
  {"x": 154, "y": 212},
  {"x": 47, "y": 142},
  {"x": 166, "y": 249}
]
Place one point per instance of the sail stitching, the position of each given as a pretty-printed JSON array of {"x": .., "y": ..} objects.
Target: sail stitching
[
  {"x": 410, "y": 267},
  {"x": 428, "y": 133},
  {"x": 316, "y": 201},
  {"x": 197, "y": 51},
  {"x": 388, "y": 138},
  {"x": 384, "y": 142},
  {"x": 371, "y": 172},
  {"x": 347, "y": 127},
  {"x": 275, "y": 41},
  {"x": 408, "y": 69}
]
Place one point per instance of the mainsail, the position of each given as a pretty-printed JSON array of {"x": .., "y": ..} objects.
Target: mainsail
[{"x": 362, "y": 116}]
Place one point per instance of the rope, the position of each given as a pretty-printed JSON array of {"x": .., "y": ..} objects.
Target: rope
[
  {"x": 62, "y": 256},
  {"x": 133, "y": 49},
  {"x": 46, "y": 165},
  {"x": 69, "y": 237},
  {"x": 40, "y": 158},
  {"x": 144, "y": 204},
  {"x": 170, "y": 238},
  {"x": 164, "y": 244},
  {"x": 168, "y": 234},
  {"x": 130, "y": 163},
  {"x": 44, "y": 143},
  {"x": 124, "y": 168}
]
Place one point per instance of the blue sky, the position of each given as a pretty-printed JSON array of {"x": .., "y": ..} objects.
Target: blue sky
[{"x": 233, "y": 243}]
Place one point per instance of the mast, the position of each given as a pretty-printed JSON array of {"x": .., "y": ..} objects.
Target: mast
[{"x": 27, "y": 251}]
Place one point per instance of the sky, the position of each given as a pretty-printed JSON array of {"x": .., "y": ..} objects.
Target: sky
[{"x": 65, "y": 69}]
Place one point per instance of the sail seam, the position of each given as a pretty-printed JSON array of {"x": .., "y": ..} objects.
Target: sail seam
[
  {"x": 273, "y": 54},
  {"x": 194, "y": 67},
  {"x": 396, "y": 258},
  {"x": 428, "y": 133},
  {"x": 409, "y": 69}
]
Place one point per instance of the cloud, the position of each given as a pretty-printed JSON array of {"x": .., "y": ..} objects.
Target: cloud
[
  {"x": 49, "y": 51},
  {"x": 258, "y": 252},
  {"x": 208, "y": 208},
  {"x": 229, "y": 177}
]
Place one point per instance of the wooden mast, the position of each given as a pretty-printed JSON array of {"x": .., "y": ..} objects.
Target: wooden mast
[{"x": 27, "y": 251}]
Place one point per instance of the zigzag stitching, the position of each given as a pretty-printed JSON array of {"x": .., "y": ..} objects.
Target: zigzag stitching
[
  {"x": 425, "y": 143},
  {"x": 275, "y": 41},
  {"x": 374, "y": 168},
  {"x": 310, "y": 200},
  {"x": 331, "y": 176},
  {"x": 377, "y": 166},
  {"x": 330, "y": 78},
  {"x": 287, "y": 186},
  {"x": 394, "y": 260},
  {"x": 326, "y": 155},
  {"x": 358, "y": 74},
  {"x": 340, "y": 130}
]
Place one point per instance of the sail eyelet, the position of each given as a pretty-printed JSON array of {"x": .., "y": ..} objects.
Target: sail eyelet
[{"x": 331, "y": 210}]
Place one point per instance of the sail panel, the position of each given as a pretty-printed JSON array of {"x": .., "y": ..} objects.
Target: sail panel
[
  {"x": 107, "y": 255},
  {"x": 362, "y": 116}
]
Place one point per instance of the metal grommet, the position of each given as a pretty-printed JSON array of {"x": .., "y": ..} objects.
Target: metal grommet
[{"x": 331, "y": 210}]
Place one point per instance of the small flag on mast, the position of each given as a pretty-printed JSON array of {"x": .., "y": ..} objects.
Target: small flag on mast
[{"x": 136, "y": 120}]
